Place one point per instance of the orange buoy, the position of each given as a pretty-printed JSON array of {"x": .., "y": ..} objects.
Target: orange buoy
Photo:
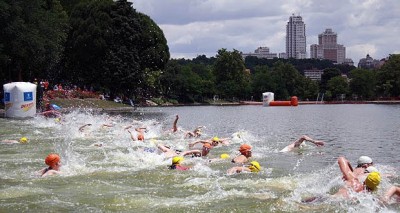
[
  {"x": 293, "y": 102},
  {"x": 280, "y": 103}
]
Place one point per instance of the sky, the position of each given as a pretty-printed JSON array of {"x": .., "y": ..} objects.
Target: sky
[{"x": 202, "y": 27}]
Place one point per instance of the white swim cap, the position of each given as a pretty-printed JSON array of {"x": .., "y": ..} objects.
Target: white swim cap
[{"x": 364, "y": 160}]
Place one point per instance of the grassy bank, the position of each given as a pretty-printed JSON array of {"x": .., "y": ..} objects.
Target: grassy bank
[{"x": 87, "y": 103}]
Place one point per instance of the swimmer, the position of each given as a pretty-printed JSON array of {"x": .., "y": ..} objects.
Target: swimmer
[
  {"x": 299, "y": 142},
  {"x": 201, "y": 153},
  {"x": 50, "y": 112},
  {"x": 245, "y": 154},
  {"x": 254, "y": 166},
  {"x": 53, "y": 161},
  {"x": 22, "y": 140},
  {"x": 213, "y": 141},
  {"x": 195, "y": 134},
  {"x": 168, "y": 152},
  {"x": 352, "y": 182},
  {"x": 139, "y": 134},
  {"x": 363, "y": 163},
  {"x": 393, "y": 191},
  {"x": 176, "y": 164}
]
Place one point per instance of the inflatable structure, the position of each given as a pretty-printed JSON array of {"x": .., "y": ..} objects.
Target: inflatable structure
[
  {"x": 268, "y": 100},
  {"x": 20, "y": 99}
]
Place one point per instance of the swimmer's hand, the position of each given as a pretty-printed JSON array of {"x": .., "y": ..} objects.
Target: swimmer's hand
[{"x": 318, "y": 143}]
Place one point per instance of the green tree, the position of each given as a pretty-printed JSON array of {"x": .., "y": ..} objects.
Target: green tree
[
  {"x": 261, "y": 81},
  {"x": 337, "y": 86},
  {"x": 88, "y": 42},
  {"x": 32, "y": 37},
  {"x": 363, "y": 83},
  {"x": 327, "y": 75},
  {"x": 122, "y": 48},
  {"x": 229, "y": 71},
  {"x": 389, "y": 77}
]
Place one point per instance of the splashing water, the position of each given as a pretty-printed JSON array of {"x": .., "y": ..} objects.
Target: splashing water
[{"x": 104, "y": 170}]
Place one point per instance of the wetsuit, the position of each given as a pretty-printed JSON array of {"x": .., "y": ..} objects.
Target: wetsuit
[
  {"x": 178, "y": 167},
  {"x": 46, "y": 170}
]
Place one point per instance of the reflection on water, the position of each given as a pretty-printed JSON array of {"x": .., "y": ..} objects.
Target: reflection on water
[{"x": 120, "y": 176}]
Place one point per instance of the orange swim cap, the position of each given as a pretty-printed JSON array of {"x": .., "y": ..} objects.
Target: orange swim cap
[
  {"x": 244, "y": 147},
  {"x": 52, "y": 159},
  {"x": 207, "y": 145},
  {"x": 140, "y": 137}
]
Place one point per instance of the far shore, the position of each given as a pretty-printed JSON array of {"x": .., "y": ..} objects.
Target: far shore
[{"x": 127, "y": 108}]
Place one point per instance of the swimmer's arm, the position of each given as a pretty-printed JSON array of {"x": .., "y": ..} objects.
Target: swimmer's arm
[
  {"x": 174, "y": 126},
  {"x": 190, "y": 152},
  {"x": 107, "y": 125},
  {"x": 162, "y": 148},
  {"x": 346, "y": 169},
  {"x": 132, "y": 137},
  {"x": 196, "y": 142},
  {"x": 127, "y": 127},
  {"x": 238, "y": 169},
  {"x": 9, "y": 141},
  {"x": 240, "y": 159},
  {"x": 394, "y": 190},
  {"x": 81, "y": 128},
  {"x": 225, "y": 141},
  {"x": 140, "y": 129}
]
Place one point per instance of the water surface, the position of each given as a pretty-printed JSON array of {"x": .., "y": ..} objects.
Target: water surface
[{"x": 120, "y": 176}]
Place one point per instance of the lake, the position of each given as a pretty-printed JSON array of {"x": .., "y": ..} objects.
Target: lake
[{"x": 120, "y": 177}]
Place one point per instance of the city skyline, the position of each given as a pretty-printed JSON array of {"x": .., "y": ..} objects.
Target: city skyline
[{"x": 202, "y": 27}]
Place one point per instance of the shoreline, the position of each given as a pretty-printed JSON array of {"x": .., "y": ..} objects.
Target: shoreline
[{"x": 132, "y": 109}]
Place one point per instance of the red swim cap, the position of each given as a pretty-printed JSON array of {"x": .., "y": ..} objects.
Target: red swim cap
[
  {"x": 207, "y": 145},
  {"x": 140, "y": 137},
  {"x": 244, "y": 147},
  {"x": 52, "y": 159}
]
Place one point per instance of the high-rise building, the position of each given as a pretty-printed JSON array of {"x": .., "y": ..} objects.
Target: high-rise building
[
  {"x": 296, "y": 38},
  {"x": 328, "y": 48}
]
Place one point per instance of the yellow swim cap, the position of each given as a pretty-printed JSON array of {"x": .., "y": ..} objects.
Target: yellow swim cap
[
  {"x": 177, "y": 159},
  {"x": 216, "y": 139},
  {"x": 23, "y": 140},
  {"x": 254, "y": 166},
  {"x": 373, "y": 180},
  {"x": 57, "y": 119},
  {"x": 224, "y": 156}
]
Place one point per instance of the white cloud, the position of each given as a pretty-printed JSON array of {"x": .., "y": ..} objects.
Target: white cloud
[{"x": 197, "y": 27}]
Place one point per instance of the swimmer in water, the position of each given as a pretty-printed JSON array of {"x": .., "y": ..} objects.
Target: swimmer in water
[
  {"x": 22, "y": 140},
  {"x": 392, "y": 192},
  {"x": 253, "y": 166},
  {"x": 195, "y": 134},
  {"x": 245, "y": 154},
  {"x": 54, "y": 163},
  {"x": 299, "y": 142},
  {"x": 352, "y": 182},
  {"x": 176, "y": 164},
  {"x": 212, "y": 141},
  {"x": 139, "y": 134}
]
